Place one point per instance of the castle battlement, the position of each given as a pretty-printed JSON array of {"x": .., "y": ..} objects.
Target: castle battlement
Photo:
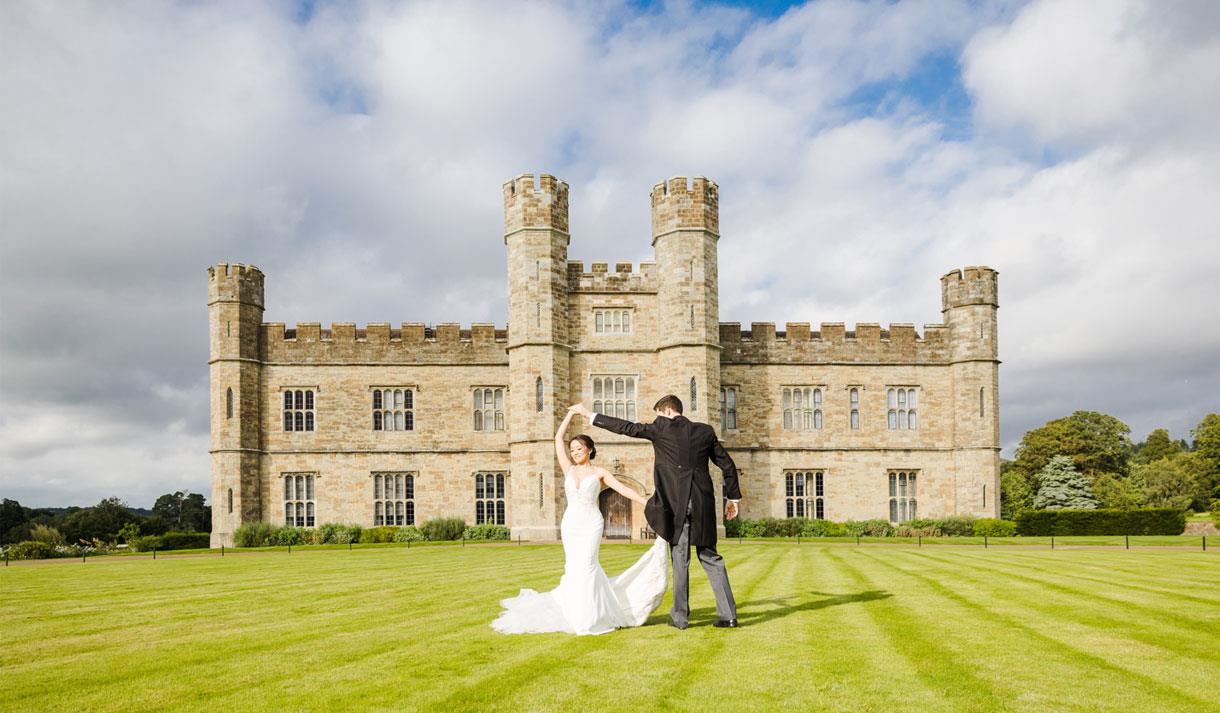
[
  {"x": 379, "y": 342},
  {"x": 680, "y": 203},
  {"x": 833, "y": 343},
  {"x": 535, "y": 202},
  {"x": 971, "y": 286},
  {"x": 625, "y": 278},
  {"x": 235, "y": 282}
]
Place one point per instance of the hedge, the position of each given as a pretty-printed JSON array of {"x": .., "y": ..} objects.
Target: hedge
[
  {"x": 443, "y": 529},
  {"x": 1150, "y": 521},
  {"x": 988, "y": 527}
]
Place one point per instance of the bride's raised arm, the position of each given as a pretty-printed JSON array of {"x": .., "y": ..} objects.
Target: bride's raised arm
[
  {"x": 561, "y": 448},
  {"x": 614, "y": 484}
]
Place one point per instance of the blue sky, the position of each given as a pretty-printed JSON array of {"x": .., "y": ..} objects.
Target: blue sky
[{"x": 354, "y": 151}]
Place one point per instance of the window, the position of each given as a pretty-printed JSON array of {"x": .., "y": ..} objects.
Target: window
[
  {"x": 228, "y": 403},
  {"x": 489, "y": 498},
  {"x": 903, "y": 406},
  {"x": 393, "y": 499},
  {"x": 802, "y": 408},
  {"x": 728, "y": 408},
  {"x": 489, "y": 408},
  {"x": 694, "y": 396},
  {"x": 902, "y": 496},
  {"x": 804, "y": 494},
  {"x": 855, "y": 408},
  {"x": 614, "y": 396},
  {"x": 298, "y": 410},
  {"x": 394, "y": 409},
  {"x": 298, "y": 499},
  {"x": 230, "y": 501},
  {"x": 981, "y": 402},
  {"x": 612, "y": 321},
  {"x": 538, "y": 394}
]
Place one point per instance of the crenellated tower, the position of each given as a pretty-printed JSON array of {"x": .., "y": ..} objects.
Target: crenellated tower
[
  {"x": 536, "y": 237},
  {"x": 235, "y": 316},
  {"x": 685, "y": 233},
  {"x": 969, "y": 301}
]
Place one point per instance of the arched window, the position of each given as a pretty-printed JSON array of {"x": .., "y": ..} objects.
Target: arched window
[
  {"x": 538, "y": 394},
  {"x": 229, "y": 403},
  {"x": 694, "y": 396},
  {"x": 980, "y": 402},
  {"x": 231, "y": 501},
  {"x": 855, "y": 409}
]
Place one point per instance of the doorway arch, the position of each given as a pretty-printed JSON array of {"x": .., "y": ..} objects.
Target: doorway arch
[{"x": 616, "y": 512}]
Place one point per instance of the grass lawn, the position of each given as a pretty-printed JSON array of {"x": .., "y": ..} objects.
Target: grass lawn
[{"x": 824, "y": 627}]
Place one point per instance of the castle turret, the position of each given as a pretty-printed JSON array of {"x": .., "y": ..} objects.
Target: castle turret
[
  {"x": 969, "y": 300},
  {"x": 235, "y": 315},
  {"x": 685, "y": 232},
  {"x": 536, "y": 236}
]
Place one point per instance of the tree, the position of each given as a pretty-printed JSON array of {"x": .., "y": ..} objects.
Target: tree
[
  {"x": 1096, "y": 443},
  {"x": 183, "y": 511},
  {"x": 1061, "y": 487},
  {"x": 13, "y": 519},
  {"x": 1207, "y": 448},
  {"x": 1157, "y": 446},
  {"x": 102, "y": 521},
  {"x": 1167, "y": 483},
  {"x": 1118, "y": 493},
  {"x": 1016, "y": 494}
]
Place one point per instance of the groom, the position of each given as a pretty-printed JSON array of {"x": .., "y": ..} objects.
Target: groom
[{"x": 682, "y": 511}]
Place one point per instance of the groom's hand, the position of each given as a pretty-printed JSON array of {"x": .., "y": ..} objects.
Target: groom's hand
[
  {"x": 730, "y": 510},
  {"x": 582, "y": 410}
]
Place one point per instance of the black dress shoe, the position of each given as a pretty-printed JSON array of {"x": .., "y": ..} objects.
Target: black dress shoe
[
  {"x": 725, "y": 624},
  {"x": 679, "y": 626}
]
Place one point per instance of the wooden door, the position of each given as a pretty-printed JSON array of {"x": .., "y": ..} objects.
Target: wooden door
[{"x": 616, "y": 510}]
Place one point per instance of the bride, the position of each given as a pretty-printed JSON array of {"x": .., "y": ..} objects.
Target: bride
[{"x": 586, "y": 600}]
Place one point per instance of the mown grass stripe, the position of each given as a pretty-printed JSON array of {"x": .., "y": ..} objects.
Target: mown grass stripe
[{"x": 1119, "y": 677}]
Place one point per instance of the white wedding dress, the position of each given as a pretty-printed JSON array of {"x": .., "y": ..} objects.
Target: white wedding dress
[{"x": 586, "y": 600}]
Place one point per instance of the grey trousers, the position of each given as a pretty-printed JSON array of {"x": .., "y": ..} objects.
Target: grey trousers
[{"x": 717, "y": 575}]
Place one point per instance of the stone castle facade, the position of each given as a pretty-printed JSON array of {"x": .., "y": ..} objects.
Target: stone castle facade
[{"x": 398, "y": 425}]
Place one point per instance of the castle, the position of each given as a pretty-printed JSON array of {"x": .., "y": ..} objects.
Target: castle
[{"x": 393, "y": 426}]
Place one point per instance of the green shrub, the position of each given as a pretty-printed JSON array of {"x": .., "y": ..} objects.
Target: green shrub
[
  {"x": 822, "y": 528},
  {"x": 337, "y": 534},
  {"x": 378, "y": 534},
  {"x": 254, "y": 534},
  {"x": 184, "y": 541},
  {"x": 288, "y": 536},
  {"x": 486, "y": 532},
  {"x": 869, "y": 528},
  {"x": 410, "y": 533},
  {"x": 443, "y": 529},
  {"x": 32, "y": 550},
  {"x": 990, "y": 527},
  {"x": 1149, "y": 521},
  {"x": 145, "y": 543},
  {"x": 49, "y": 535},
  {"x": 732, "y": 528},
  {"x": 919, "y": 527},
  {"x": 956, "y": 526}
]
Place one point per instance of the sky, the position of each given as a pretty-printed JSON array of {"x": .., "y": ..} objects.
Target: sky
[{"x": 355, "y": 153}]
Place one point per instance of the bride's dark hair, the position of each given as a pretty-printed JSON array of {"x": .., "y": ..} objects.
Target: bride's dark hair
[{"x": 588, "y": 444}]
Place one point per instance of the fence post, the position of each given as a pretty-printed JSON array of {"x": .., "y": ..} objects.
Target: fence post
[
  {"x": 289, "y": 548},
  {"x": 920, "y": 539},
  {"x": 84, "y": 554},
  {"x": 6, "y": 551},
  {"x": 1127, "y": 540},
  {"x": 857, "y": 540},
  {"x": 798, "y": 538},
  {"x": 349, "y": 546},
  {"x": 1204, "y": 549},
  {"x": 222, "y": 550},
  {"x": 518, "y": 539},
  {"x": 984, "y": 542},
  {"x": 463, "y": 539},
  {"x": 154, "y": 552},
  {"x": 1052, "y": 542}
]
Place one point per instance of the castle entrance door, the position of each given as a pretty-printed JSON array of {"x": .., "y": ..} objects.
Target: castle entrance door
[{"x": 616, "y": 509}]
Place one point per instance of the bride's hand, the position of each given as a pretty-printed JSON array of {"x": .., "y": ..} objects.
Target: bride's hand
[{"x": 573, "y": 409}]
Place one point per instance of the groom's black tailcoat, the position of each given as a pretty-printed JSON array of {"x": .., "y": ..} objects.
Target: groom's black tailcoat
[{"x": 682, "y": 449}]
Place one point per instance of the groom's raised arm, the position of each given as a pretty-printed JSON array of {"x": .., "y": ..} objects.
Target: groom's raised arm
[{"x": 626, "y": 428}]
